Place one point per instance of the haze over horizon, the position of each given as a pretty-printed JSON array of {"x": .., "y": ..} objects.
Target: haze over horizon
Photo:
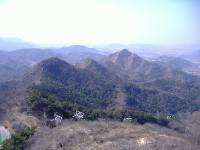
[{"x": 101, "y": 22}]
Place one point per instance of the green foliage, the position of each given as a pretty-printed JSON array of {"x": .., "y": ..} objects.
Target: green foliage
[
  {"x": 77, "y": 86},
  {"x": 93, "y": 90},
  {"x": 42, "y": 102},
  {"x": 16, "y": 142},
  {"x": 65, "y": 89},
  {"x": 137, "y": 117},
  {"x": 153, "y": 99}
]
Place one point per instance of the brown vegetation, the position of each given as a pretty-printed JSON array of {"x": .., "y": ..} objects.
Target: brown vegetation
[{"x": 101, "y": 135}]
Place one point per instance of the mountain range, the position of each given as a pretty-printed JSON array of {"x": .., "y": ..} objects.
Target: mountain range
[
  {"x": 121, "y": 80},
  {"x": 15, "y": 63},
  {"x": 179, "y": 63},
  {"x": 108, "y": 87},
  {"x": 11, "y": 43}
]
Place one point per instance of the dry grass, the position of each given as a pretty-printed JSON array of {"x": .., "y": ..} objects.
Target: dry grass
[{"x": 101, "y": 135}]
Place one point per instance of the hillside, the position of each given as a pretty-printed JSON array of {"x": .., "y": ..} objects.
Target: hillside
[
  {"x": 122, "y": 80},
  {"x": 75, "y": 85},
  {"x": 54, "y": 85},
  {"x": 103, "y": 135},
  {"x": 154, "y": 87},
  {"x": 9, "y": 68},
  {"x": 99, "y": 74},
  {"x": 12, "y": 71},
  {"x": 192, "y": 55},
  {"x": 179, "y": 64},
  {"x": 97, "y": 69},
  {"x": 15, "y": 63},
  {"x": 78, "y": 53},
  {"x": 92, "y": 85},
  {"x": 129, "y": 65}
]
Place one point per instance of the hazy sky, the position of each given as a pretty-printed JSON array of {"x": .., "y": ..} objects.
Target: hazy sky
[{"x": 101, "y": 21}]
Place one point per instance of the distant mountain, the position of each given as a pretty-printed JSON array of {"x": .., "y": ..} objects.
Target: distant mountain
[
  {"x": 193, "y": 56},
  {"x": 15, "y": 64},
  {"x": 123, "y": 80},
  {"x": 119, "y": 86},
  {"x": 26, "y": 58},
  {"x": 56, "y": 86},
  {"x": 31, "y": 56},
  {"x": 9, "y": 68},
  {"x": 77, "y": 53},
  {"x": 72, "y": 54},
  {"x": 179, "y": 63},
  {"x": 4, "y": 58},
  {"x": 77, "y": 49},
  {"x": 12, "y": 71},
  {"x": 158, "y": 86},
  {"x": 133, "y": 67},
  {"x": 9, "y": 44},
  {"x": 92, "y": 85},
  {"x": 154, "y": 49}
]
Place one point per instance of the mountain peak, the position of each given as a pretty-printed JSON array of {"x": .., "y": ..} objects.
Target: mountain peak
[
  {"x": 35, "y": 75},
  {"x": 53, "y": 64},
  {"x": 124, "y": 52},
  {"x": 51, "y": 68},
  {"x": 87, "y": 62},
  {"x": 78, "y": 46},
  {"x": 121, "y": 57},
  {"x": 52, "y": 60}
]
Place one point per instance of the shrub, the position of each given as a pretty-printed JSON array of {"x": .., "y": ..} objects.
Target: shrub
[{"x": 16, "y": 142}]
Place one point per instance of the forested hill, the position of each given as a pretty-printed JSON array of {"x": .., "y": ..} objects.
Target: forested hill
[{"x": 93, "y": 85}]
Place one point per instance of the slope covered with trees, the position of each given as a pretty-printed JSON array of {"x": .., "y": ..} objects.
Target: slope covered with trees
[
  {"x": 95, "y": 86},
  {"x": 80, "y": 86}
]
